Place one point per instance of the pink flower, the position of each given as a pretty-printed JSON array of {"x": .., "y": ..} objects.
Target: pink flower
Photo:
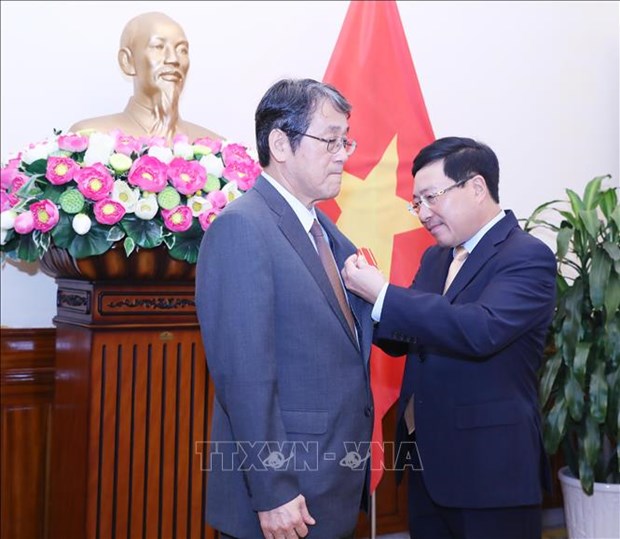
[
  {"x": 180, "y": 138},
  {"x": 94, "y": 182},
  {"x": 214, "y": 145},
  {"x": 206, "y": 218},
  {"x": 126, "y": 144},
  {"x": 244, "y": 173},
  {"x": 73, "y": 143},
  {"x": 18, "y": 181},
  {"x": 149, "y": 174},
  {"x": 177, "y": 219},
  {"x": 24, "y": 223},
  {"x": 187, "y": 177},
  {"x": 108, "y": 212},
  {"x": 60, "y": 170},
  {"x": 7, "y": 174},
  {"x": 7, "y": 200},
  {"x": 45, "y": 215},
  {"x": 153, "y": 141},
  {"x": 235, "y": 153},
  {"x": 218, "y": 199}
]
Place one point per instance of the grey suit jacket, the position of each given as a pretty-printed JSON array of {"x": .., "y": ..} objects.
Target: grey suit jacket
[{"x": 292, "y": 394}]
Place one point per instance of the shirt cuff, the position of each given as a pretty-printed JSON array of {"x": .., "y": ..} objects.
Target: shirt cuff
[{"x": 378, "y": 307}]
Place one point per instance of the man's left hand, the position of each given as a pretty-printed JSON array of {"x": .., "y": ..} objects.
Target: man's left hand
[{"x": 362, "y": 279}]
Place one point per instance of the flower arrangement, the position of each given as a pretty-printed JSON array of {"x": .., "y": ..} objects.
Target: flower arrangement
[{"x": 84, "y": 192}]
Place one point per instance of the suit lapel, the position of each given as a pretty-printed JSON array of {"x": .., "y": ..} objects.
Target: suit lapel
[
  {"x": 298, "y": 238},
  {"x": 482, "y": 253}
]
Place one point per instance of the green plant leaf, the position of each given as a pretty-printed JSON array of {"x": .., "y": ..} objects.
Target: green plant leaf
[
  {"x": 147, "y": 234},
  {"x": 563, "y": 239},
  {"x": 598, "y": 392},
  {"x": 555, "y": 425},
  {"x": 613, "y": 403},
  {"x": 95, "y": 242},
  {"x": 611, "y": 344},
  {"x": 589, "y": 448},
  {"x": 187, "y": 244},
  {"x": 612, "y": 295},
  {"x": 63, "y": 232},
  {"x": 591, "y": 222},
  {"x": 612, "y": 250},
  {"x": 574, "y": 397},
  {"x": 599, "y": 277},
  {"x": 571, "y": 329},
  {"x": 608, "y": 202},
  {"x": 532, "y": 221},
  {"x": 37, "y": 167},
  {"x": 129, "y": 245},
  {"x": 582, "y": 350},
  {"x": 116, "y": 233},
  {"x": 575, "y": 202},
  {"x": 615, "y": 216},
  {"x": 27, "y": 249},
  {"x": 592, "y": 193},
  {"x": 550, "y": 371}
]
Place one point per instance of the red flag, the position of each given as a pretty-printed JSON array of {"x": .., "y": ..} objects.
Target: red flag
[{"x": 371, "y": 65}]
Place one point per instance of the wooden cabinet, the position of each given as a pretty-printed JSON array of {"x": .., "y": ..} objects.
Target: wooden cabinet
[{"x": 27, "y": 388}]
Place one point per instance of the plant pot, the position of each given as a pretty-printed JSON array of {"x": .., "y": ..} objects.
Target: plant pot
[
  {"x": 590, "y": 517},
  {"x": 114, "y": 265}
]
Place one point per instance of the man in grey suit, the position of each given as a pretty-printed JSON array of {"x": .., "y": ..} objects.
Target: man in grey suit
[{"x": 286, "y": 345}]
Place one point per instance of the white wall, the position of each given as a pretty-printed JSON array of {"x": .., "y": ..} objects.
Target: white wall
[{"x": 537, "y": 81}]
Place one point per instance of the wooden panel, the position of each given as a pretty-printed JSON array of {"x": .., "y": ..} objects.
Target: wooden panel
[{"x": 27, "y": 387}]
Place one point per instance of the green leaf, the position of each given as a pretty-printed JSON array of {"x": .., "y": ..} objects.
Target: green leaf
[
  {"x": 609, "y": 201},
  {"x": 589, "y": 447},
  {"x": 571, "y": 329},
  {"x": 27, "y": 249},
  {"x": 95, "y": 242},
  {"x": 615, "y": 216},
  {"x": 575, "y": 201},
  {"x": 53, "y": 192},
  {"x": 129, "y": 245},
  {"x": 549, "y": 375},
  {"x": 146, "y": 234},
  {"x": 37, "y": 167},
  {"x": 563, "y": 239},
  {"x": 599, "y": 277},
  {"x": 187, "y": 243},
  {"x": 532, "y": 221},
  {"x": 555, "y": 425},
  {"x": 613, "y": 403},
  {"x": 592, "y": 193},
  {"x": 612, "y": 342},
  {"x": 598, "y": 393},
  {"x": 574, "y": 397},
  {"x": 612, "y": 250},
  {"x": 582, "y": 350},
  {"x": 116, "y": 233},
  {"x": 612, "y": 295},
  {"x": 591, "y": 222}
]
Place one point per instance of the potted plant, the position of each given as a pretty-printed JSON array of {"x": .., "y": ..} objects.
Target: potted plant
[
  {"x": 580, "y": 377},
  {"x": 89, "y": 193}
]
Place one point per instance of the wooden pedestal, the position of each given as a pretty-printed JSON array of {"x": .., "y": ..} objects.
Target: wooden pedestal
[{"x": 130, "y": 411}]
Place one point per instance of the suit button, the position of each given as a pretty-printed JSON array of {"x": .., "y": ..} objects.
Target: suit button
[{"x": 368, "y": 411}]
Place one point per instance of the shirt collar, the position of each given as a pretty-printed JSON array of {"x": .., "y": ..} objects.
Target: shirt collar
[
  {"x": 471, "y": 243},
  {"x": 306, "y": 216}
]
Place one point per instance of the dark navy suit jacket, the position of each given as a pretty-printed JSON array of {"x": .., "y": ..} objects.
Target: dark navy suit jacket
[
  {"x": 291, "y": 382},
  {"x": 472, "y": 362}
]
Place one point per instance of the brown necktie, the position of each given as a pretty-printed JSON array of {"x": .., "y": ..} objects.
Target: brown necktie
[
  {"x": 460, "y": 255},
  {"x": 329, "y": 264}
]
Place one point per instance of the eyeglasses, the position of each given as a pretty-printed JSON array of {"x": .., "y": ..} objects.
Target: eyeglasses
[
  {"x": 430, "y": 200},
  {"x": 333, "y": 144}
]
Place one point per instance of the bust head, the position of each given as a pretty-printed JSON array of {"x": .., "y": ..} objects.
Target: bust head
[{"x": 154, "y": 51}]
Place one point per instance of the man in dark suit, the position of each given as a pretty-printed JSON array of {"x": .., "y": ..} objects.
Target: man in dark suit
[
  {"x": 287, "y": 348},
  {"x": 474, "y": 338}
]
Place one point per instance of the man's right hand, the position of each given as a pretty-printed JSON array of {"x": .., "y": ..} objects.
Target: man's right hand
[{"x": 287, "y": 521}]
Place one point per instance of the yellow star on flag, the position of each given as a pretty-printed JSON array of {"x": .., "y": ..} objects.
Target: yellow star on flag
[{"x": 372, "y": 212}]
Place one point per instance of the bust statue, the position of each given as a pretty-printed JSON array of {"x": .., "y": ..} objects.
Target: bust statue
[{"x": 155, "y": 52}]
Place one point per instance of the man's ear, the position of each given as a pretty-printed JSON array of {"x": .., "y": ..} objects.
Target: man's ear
[
  {"x": 125, "y": 60},
  {"x": 279, "y": 145},
  {"x": 481, "y": 189}
]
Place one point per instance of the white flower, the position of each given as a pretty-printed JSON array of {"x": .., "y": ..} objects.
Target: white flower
[
  {"x": 100, "y": 148},
  {"x": 3, "y": 234},
  {"x": 213, "y": 164},
  {"x": 125, "y": 195},
  {"x": 81, "y": 223},
  {"x": 184, "y": 150},
  {"x": 231, "y": 191},
  {"x": 39, "y": 151},
  {"x": 198, "y": 205},
  {"x": 147, "y": 207},
  {"x": 7, "y": 219},
  {"x": 163, "y": 154}
]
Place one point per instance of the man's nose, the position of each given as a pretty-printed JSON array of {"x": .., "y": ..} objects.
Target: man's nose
[
  {"x": 171, "y": 56},
  {"x": 424, "y": 213}
]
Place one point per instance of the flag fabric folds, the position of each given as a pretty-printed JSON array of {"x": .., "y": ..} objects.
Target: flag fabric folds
[{"x": 372, "y": 66}]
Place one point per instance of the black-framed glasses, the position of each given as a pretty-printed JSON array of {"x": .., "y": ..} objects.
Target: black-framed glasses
[
  {"x": 428, "y": 201},
  {"x": 333, "y": 144}
]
